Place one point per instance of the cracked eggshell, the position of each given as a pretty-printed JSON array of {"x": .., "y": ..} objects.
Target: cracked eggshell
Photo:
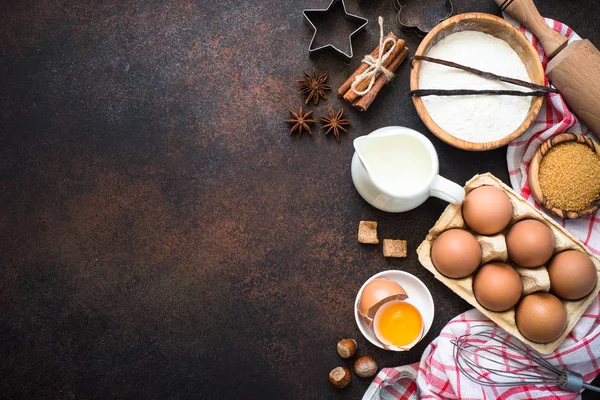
[
  {"x": 375, "y": 294},
  {"x": 387, "y": 344}
]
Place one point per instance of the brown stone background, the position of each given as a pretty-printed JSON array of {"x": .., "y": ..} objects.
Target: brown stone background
[{"x": 162, "y": 236}]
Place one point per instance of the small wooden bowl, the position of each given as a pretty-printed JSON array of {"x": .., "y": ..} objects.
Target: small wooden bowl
[
  {"x": 534, "y": 169},
  {"x": 501, "y": 29}
]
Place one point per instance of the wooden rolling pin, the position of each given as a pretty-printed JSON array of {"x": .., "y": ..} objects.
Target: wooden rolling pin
[{"x": 573, "y": 68}]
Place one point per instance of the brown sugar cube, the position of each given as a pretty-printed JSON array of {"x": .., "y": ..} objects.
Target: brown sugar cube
[
  {"x": 394, "y": 248},
  {"x": 367, "y": 232}
]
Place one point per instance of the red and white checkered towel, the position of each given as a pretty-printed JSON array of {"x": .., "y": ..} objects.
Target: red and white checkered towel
[
  {"x": 554, "y": 118},
  {"x": 436, "y": 376}
]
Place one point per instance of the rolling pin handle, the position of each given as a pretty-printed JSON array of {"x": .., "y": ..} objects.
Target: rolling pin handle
[{"x": 525, "y": 12}]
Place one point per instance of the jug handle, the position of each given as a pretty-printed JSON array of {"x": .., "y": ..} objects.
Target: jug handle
[{"x": 447, "y": 190}]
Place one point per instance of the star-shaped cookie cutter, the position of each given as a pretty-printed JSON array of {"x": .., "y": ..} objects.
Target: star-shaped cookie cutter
[{"x": 347, "y": 16}]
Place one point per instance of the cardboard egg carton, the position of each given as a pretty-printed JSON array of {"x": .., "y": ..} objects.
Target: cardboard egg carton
[{"x": 494, "y": 249}]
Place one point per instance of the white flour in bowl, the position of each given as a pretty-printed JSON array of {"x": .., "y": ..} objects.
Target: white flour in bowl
[{"x": 479, "y": 118}]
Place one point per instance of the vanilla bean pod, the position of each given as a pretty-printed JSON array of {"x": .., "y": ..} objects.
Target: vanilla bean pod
[
  {"x": 470, "y": 92},
  {"x": 487, "y": 75}
]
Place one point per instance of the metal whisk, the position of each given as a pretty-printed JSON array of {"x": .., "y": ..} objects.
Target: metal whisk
[{"x": 491, "y": 357}]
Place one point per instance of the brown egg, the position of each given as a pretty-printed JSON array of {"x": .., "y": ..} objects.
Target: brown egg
[
  {"x": 487, "y": 210},
  {"x": 573, "y": 275},
  {"x": 530, "y": 243},
  {"x": 376, "y": 293},
  {"x": 541, "y": 317},
  {"x": 497, "y": 286},
  {"x": 456, "y": 253}
]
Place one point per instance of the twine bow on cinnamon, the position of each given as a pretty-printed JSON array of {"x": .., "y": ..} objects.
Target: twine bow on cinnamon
[
  {"x": 375, "y": 70},
  {"x": 375, "y": 65}
]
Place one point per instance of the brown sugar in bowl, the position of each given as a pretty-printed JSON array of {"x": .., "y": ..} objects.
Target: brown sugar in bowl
[
  {"x": 501, "y": 29},
  {"x": 534, "y": 169}
]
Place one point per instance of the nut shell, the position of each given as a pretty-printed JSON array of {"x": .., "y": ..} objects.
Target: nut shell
[
  {"x": 339, "y": 377},
  {"x": 346, "y": 348},
  {"x": 365, "y": 367}
]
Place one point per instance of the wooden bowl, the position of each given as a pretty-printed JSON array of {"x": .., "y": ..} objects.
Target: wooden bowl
[
  {"x": 501, "y": 29},
  {"x": 534, "y": 169}
]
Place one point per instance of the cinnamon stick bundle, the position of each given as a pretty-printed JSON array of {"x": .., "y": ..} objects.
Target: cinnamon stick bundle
[
  {"x": 396, "y": 57},
  {"x": 363, "y": 67},
  {"x": 363, "y": 103}
]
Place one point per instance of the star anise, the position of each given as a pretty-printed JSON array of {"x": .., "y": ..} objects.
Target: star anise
[
  {"x": 334, "y": 123},
  {"x": 315, "y": 86},
  {"x": 300, "y": 121}
]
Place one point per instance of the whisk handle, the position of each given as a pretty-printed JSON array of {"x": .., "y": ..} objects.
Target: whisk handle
[
  {"x": 574, "y": 382},
  {"x": 591, "y": 387}
]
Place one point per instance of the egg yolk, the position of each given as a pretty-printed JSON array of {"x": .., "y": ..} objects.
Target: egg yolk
[{"x": 400, "y": 324}]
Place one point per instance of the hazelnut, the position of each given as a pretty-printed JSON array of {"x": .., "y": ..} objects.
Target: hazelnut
[
  {"x": 365, "y": 366},
  {"x": 339, "y": 377},
  {"x": 346, "y": 348}
]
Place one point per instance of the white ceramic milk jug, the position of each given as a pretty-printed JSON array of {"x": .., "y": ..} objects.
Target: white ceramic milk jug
[{"x": 395, "y": 169}]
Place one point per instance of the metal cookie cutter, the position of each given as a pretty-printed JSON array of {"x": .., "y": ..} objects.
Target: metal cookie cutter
[
  {"x": 348, "y": 17},
  {"x": 421, "y": 16}
]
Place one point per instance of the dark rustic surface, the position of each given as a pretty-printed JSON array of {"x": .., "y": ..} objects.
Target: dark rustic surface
[{"x": 161, "y": 234}]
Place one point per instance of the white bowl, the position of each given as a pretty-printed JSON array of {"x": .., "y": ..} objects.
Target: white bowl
[{"x": 418, "y": 295}]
